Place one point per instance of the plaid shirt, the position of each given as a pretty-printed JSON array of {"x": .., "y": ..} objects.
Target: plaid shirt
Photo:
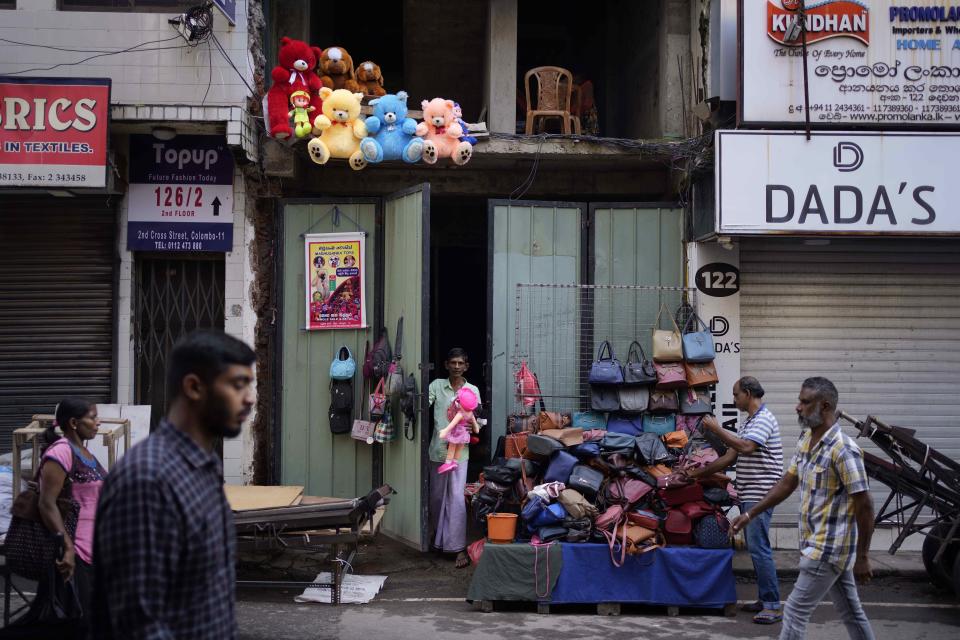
[
  {"x": 829, "y": 473},
  {"x": 164, "y": 545}
]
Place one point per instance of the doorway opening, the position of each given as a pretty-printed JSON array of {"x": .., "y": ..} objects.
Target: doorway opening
[{"x": 459, "y": 297}]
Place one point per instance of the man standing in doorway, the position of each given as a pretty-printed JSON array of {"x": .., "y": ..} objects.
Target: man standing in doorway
[
  {"x": 758, "y": 453},
  {"x": 836, "y": 515},
  {"x": 164, "y": 532},
  {"x": 448, "y": 510}
]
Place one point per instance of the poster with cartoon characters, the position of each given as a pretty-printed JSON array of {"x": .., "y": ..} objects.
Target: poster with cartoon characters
[{"x": 334, "y": 281}]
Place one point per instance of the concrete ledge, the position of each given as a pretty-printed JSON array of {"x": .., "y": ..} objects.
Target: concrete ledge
[{"x": 904, "y": 564}]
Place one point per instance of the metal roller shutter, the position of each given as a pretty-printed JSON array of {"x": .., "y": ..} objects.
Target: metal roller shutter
[
  {"x": 57, "y": 258},
  {"x": 880, "y": 318}
]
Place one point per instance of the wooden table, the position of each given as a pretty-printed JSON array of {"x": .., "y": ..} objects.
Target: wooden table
[{"x": 110, "y": 430}]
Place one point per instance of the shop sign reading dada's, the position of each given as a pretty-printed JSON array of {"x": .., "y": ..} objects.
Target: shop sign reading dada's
[
  {"x": 181, "y": 194},
  {"x": 53, "y": 132},
  {"x": 878, "y": 63},
  {"x": 837, "y": 183}
]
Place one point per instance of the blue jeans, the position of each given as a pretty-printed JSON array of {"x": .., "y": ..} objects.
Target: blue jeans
[
  {"x": 816, "y": 579},
  {"x": 758, "y": 543}
]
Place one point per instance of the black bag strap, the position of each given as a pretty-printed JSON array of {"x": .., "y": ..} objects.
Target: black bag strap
[
  {"x": 634, "y": 347},
  {"x": 605, "y": 346},
  {"x": 697, "y": 323},
  {"x": 398, "y": 343}
]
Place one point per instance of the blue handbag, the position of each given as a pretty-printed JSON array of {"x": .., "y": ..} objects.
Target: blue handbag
[
  {"x": 630, "y": 425},
  {"x": 712, "y": 532},
  {"x": 531, "y": 510},
  {"x": 697, "y": 345},
  {"x": 550, "y": 514},
  {"x": 343, "y": 366},
  {"x": 587, "y": 420},
  {"x": 605, "y": 369},
  {"x": 561, "y": 464},
  {"x": 659, "y": 424},
  {"x": 586, "y": 451}
]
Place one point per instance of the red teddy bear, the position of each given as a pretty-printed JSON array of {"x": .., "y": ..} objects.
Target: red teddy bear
[{"x": 294, "y": 73}]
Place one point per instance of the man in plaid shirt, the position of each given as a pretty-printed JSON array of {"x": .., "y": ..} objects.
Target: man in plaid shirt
[
  {"x": 164, "y": 536},
  {"x": 836, "y": 515}
]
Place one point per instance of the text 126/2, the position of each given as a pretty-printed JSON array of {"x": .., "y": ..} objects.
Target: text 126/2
[{"x": 179, "y": 196}]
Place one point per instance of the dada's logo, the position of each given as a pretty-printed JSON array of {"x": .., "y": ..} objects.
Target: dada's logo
[
  {"x": 847, "y": 156},
  {"x": 825, "y": 19}
]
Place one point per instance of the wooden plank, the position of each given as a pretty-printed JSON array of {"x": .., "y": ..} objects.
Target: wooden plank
[{"x": 243, "y": 498}]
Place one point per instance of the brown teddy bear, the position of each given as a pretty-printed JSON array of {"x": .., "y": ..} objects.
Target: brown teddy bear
[
  {"x": 336, "y": 70},
  {"x": 370, "y": 79}
]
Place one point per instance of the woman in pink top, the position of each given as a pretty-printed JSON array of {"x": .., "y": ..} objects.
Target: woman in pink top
[{"x": 67, "y": 458}]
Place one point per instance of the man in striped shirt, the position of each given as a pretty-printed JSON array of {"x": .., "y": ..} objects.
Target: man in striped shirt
[
  {"x": 836, "y": 515},
  {"x": 758, "y": 453}
]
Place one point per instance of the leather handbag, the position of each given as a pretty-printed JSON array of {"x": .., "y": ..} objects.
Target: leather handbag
[
  {"x": 587, "y": 420},
  {"x": 638, "y": 370},
  {"x": 627, "y": 491},
  {"x": 700, "y": 374},
  {"x": 394, "y": 382},
  {"x": 630, "y": 425},
  {"x": 617, "y": 443},
  {"x": 688, "y": 424},
  {"x": 644, "y": 518},
  {"x": 585, "y": 480},
  {"x": 663, "y": 401},
  {"x": 604, "y": 397},
  {"x": 612, "y": 523},
  {"x": 592, "y": 435},
  {"x": 527, "y": 386},
  {"x": 670, "y": 375},
  {"x": 522, "y": 423},
  {"x": 569, "y": 437},
  {"x": 667, "y": 346},
  {"x": 377, "y": 402},
  {"x": 633, "y": 398},
  {"x": 674, "y": 496},
  {"x": 548, "y": 491},
  {"x": 551, "y": 533},
  {"x": 605, "y": 369},
  {"x": 651, "y": 450},
  {"x": 532, "y": 508},
  {"x": 640, "y": 539},
  {"x": 551, "y": 514},
  {"x": 697, "y": 343},
  {"x": 515, "y": 445},
  {"x": 561, "y": 464},
  {"x": 675, "y": 439},
  {"x": 540, "y": 445},
  {"x": 718, "y": 496},
  {"x": 677, "y": 528},
  {"x": 713, "y": 532},
  {"x": 343, "y": 366},
  {"x": 29, "y": 546},
  {"x": 697, "y": 509},
  {"x": 658, "y": 470},
  {"x": 695, "y": 403},
  {"x": 553, "y": 420},
  {"x": 576, "y": 504},
  {"x": 500, "y": 474},
  {"x": 659, "y": 424},
  {"x": 586, "y": 451}
]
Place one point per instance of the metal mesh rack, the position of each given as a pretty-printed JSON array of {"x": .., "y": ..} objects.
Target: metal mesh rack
[{"x": 559, "y": 328}]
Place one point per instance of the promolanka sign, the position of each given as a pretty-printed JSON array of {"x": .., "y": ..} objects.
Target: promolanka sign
[
  {"x": 878, "y": 63},
  {"x": 181, "y": 194},
  {"x": 53, "y": 132},
  {"x": 836, "y": 183}
]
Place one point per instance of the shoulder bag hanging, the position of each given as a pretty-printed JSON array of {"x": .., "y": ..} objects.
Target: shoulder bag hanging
[
  {"x": 667, "y": 346},
  {"x": 638, "y": 369},
  {"x": 394, "y": 383},
  {"x": 697, "y": 345},
  {"x": 700, "y": 374},
  {"x": 605, "y": 369}
]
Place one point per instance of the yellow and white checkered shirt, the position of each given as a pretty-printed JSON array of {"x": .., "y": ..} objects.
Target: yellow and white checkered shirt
[{"x": 829, "y": 473}]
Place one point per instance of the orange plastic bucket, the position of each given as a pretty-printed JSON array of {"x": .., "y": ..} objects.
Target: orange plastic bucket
[{"x": 501, "y": 527}]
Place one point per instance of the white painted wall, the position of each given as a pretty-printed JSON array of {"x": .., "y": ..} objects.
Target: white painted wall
[{"x": 169, "y": 76}]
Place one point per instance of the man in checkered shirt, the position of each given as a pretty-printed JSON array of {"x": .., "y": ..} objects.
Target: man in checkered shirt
[
  {"x": 836, "y": 515},
  {"x": 164, "y": 536}
]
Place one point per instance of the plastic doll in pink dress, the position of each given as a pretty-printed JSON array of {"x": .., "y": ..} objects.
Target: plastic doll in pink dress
[{"x": 457, "y": 432}]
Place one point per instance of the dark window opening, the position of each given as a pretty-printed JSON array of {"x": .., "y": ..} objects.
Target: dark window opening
[
  {"x": 127, "y": 5},
  {"x": 8, "y": 4},
  {"x": 459, "y": 297}
]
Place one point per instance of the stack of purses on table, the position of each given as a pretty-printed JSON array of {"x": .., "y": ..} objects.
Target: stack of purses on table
[{"x": 631, "y": 492}]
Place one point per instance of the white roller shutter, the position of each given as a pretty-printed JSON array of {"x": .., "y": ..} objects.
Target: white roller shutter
[{"x": 880, "y": 318}]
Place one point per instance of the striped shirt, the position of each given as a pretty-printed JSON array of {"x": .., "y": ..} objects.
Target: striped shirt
[
  {"x": 757, "y": 472},
  {"x": 829, "y": 473}
]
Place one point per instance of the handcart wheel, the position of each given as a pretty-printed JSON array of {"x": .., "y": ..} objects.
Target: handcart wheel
[{"x": 942, "y": 573}]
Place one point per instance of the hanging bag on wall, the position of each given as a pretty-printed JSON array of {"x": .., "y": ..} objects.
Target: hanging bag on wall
[
  {"x": 667, "y": 346},
  {"x": 633, "y": 398},
  {"x": 697, "y": 342},
  {"x": 700, "y": 374},
  {"x": 343, "y": 366},
  {"x": 628, "y": 424},
  {"x": 695, "y": 403},
  {"x": 527, "y": 386},
  {"x": 341, "y": 406},
  {"x": 604, "y": 397},
  {"x": 393, "y": 387},
  {"x": 670, "y": 375},
  {"x": 384, "y": 431},
  {"x": 377, "y": 362},
  {"x": 377, "y": 402},
  {"x": 638, "y": 369},
  {"x": 605, "y": 369},
  {"x": 664, "y": 401},
  {"x": 588, "y": 420},
  {"x": 659, "y": 424}
]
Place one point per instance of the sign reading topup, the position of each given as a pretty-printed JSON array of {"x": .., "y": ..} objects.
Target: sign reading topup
[{"x": 837, "y": 183}]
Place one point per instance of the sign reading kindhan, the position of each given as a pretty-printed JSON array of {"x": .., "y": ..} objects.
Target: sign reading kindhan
[{"x": 857, "y": 183}]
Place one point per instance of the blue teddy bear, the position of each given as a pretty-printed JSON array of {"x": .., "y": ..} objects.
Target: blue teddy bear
[{"x": 390, "y": 133}]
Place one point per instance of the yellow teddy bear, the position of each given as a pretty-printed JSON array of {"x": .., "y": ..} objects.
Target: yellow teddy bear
[{"x": 341, "y": 128}]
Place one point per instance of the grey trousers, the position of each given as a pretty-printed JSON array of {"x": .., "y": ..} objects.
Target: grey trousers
[
  {"x": 448, "y": 510},
  {"x": 816, "y": 579}
]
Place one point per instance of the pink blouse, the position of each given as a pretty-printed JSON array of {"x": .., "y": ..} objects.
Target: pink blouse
[{"x": 87, "y": 483}]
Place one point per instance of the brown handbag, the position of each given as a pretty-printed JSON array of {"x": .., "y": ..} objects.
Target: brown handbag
[
  {"x": 570, "y": 437},
  {"x": 658, "y": 470},
  {"x": 516, "y": 444},
  {"x": 675, "y": 439},
  {"x": 667, "y": 345},
  {"x": 664, "y": 401},
  {"x": 700, "y": 374},
  {"x": 554, "y": 420},
  {"x": 522, "y": 423}
]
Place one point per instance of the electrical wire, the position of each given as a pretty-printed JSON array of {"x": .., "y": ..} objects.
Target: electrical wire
[
  {"x": 209, "y": 73},
  {"x": 226, "y": 57},
  {"x": 134, "y": 49}
]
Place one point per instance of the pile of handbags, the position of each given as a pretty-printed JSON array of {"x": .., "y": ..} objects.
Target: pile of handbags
[
  {"x": 659, "y": 396},
  {"x": 573, "y": 480}
]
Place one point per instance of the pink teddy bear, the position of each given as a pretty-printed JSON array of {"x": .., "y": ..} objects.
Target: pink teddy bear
[{"x": 441, "y": 133}]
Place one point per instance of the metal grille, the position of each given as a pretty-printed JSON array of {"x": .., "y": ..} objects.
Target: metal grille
[
  {"x": 175, "y": 296},
  {"x": 559, "y": 328}
]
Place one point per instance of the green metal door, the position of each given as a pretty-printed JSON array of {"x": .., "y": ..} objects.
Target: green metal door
[
  {"x": 310, "y": 455},
  {"x": 532, "y": 242},
  {"x": 406, "y": 233}
]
